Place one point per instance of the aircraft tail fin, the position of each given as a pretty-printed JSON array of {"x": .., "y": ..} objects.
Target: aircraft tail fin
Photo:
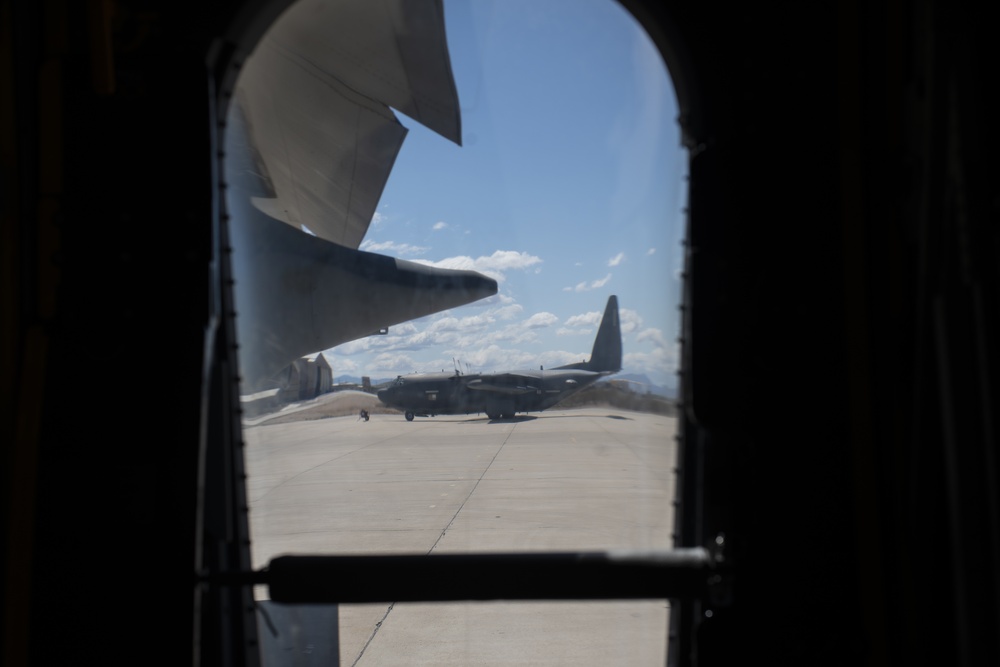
[
  {"x": 607, "y": 353},
  {"x": 606, "y": 357}
]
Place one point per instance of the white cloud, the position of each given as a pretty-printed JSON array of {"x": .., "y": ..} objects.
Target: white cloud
[
  {"x": 343, "y": 366},
  {"x": 653, "y": 335},
  {"x": 377, "y": 219},
  {"x": 650, "y": 251},
  {"x": 448, "y": 331},
  {"x": 445, "y": 324},
  {"x": 491, "y": 338},
  {"x": 477, "y": 326},
  {"x": 438, "y": 226},
  {"x": 464, "y": 335},
  {"x": 495, "y": 358},
  {"x": 592, "y": 285},
  {"x": 587, "y": 319},
  {"x": 390, "y": 247},
  {"x": 491, "y": 301},
  {"x": 508, "y": 311},
  {"x": 617, "y": 259},
  {"x": 540, "y": 320},
  {"x": 513, "y": 333},
  {"x": 400, "y": 336},
  {"x": 487, "y": 359},
  {"x": 392, "y": 364},
  {"x": 629, "y": 319},
  {"x": 493, "y": 265},
  {"x": 359, "y": 346},
  {"x": 508, "y": 259}
]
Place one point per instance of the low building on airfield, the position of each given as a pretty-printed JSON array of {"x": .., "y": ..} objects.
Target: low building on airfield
[{"x": 306, "y": 378}]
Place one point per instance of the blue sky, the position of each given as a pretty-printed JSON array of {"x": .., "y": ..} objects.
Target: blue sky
[{"x": 569, "y": 187}]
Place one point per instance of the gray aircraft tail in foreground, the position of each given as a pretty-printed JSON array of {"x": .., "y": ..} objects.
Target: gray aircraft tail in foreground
[
  {"x": 310, "y": 140},
  {"x": 507, "y": 393}
]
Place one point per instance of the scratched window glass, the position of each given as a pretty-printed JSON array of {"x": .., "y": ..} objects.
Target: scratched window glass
[{"x": 457, "y": 233}]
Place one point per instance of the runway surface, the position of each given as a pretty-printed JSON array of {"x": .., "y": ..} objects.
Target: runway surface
[{"x": 573, "y": 480}]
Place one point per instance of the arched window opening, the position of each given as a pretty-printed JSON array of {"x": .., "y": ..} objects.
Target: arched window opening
[{"x": 424, "y": 210}]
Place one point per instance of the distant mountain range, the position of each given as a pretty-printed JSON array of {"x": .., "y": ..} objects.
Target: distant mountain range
[{"x": 638, "y": 378}]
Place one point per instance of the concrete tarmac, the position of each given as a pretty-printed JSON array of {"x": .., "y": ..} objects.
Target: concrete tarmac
[{"x": 572, "y": 480}]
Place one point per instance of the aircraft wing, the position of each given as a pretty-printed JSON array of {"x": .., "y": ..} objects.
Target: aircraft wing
[{"x": 510, "y": 384}]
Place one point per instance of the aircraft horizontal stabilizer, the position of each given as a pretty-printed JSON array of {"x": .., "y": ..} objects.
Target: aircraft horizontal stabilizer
[
  {"x": 303, "y": 294},
  {"x": 606, "y": 356}
]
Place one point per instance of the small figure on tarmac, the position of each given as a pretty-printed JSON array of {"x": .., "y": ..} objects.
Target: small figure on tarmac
[{"x": 363, "y": 415}]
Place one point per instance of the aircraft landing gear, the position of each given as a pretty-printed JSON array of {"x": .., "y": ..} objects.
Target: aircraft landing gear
[
  {"x": 409, "y": 416},
  {"x": 500, "y": 409}
]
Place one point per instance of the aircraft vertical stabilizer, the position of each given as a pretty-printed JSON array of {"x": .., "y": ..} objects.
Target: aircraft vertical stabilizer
[
  {"x": 606, "y": 357},
  {"x": 607, "y": 352}
]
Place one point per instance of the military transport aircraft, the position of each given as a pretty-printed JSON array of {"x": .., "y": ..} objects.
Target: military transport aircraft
[{"x": 505, "y": 394}]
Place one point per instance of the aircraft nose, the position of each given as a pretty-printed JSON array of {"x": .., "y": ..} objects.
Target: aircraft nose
[{"x": 382, "y": 394}]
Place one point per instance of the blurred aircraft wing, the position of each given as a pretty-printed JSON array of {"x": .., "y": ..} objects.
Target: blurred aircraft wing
[
  {"x": 316, "y": 96},
  {"x": 513, "y": 384}
]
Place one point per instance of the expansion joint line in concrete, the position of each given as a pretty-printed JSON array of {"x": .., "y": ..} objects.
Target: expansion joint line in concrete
[
  {"x": 471, "y": 492},
  {"x": 378, "y": 626},
  {"x": 375, "y": 630}
]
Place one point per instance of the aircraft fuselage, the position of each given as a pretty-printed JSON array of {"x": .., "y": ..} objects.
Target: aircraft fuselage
[{"x": 501, "y": 394}]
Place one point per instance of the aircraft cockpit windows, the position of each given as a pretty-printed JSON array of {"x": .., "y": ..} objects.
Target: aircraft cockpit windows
[{"x": 430, "y": 228}]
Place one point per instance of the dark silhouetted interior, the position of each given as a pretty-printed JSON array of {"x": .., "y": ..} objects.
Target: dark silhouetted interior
[{"x": 840, "y": 337}]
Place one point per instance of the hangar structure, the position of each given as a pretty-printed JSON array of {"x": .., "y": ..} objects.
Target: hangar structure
[{"x": 308, "y": 377}]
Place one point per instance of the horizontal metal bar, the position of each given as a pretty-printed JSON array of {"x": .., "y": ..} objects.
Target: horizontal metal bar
[{"x": 520, "y": 576}]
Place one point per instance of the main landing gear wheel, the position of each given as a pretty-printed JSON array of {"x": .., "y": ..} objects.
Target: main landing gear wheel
[
  {"x": 499, "y": 409},
  {"x": 409, "y": 416}
]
